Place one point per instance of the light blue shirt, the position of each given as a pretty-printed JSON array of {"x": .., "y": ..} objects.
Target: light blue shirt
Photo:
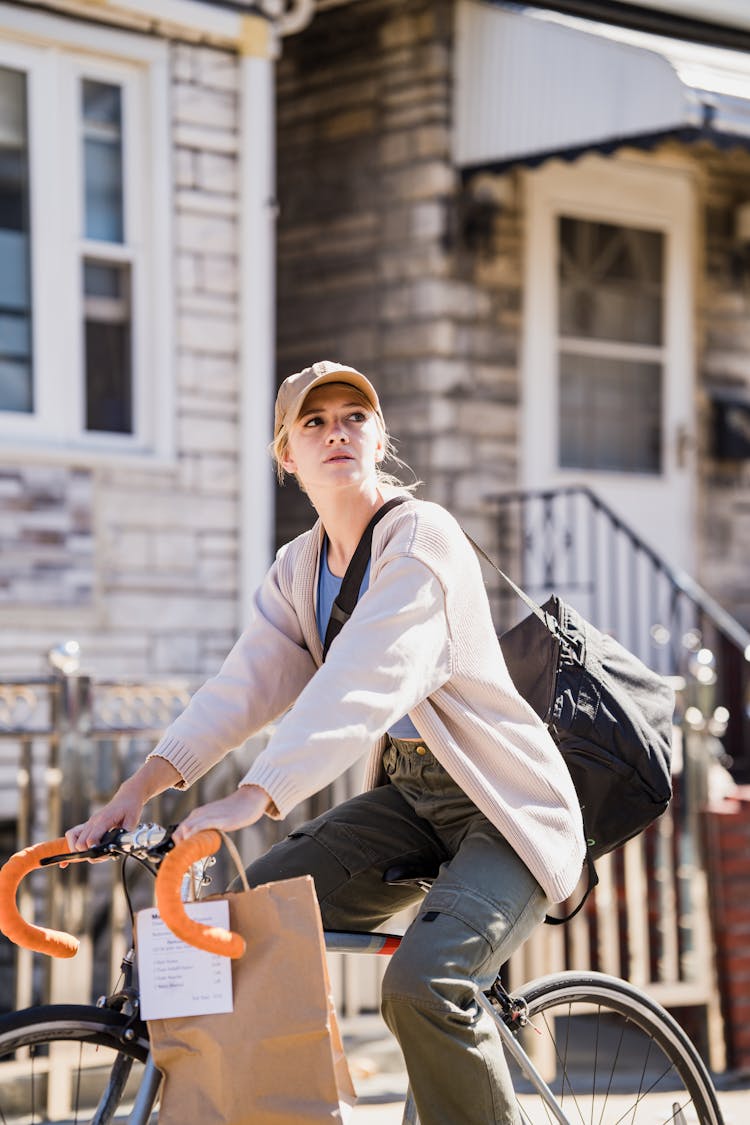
[{"x": 328, "y": 587}]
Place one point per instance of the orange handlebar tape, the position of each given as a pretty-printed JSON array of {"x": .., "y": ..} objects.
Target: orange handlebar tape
[
  {"x": 213, "y": 939},
  {"x": 42, "y": 940}
]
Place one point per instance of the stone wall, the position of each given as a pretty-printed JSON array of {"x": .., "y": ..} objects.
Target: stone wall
[
  {"x": 150, "y": 585},
  {"x": 46, "y": 536},
  {"x": 374, "y": 267}
]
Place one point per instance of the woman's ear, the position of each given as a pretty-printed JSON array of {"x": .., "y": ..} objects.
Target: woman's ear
[{"x": 288, "y": 464}]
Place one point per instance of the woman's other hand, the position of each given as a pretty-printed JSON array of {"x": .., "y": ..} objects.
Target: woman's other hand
[{"x": 244, "y": 806}]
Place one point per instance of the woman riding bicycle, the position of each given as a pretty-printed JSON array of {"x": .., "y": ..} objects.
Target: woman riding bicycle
[{"x": 462, "y": 774}]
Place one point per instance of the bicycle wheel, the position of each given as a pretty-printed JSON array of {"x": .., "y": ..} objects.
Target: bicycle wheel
[
  {"x": 609, "y": 1054},
  {"x": 69, "y": 1063}
]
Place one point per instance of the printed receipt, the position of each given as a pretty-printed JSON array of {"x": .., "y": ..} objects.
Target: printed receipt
[{"x": 175, "y": 978}]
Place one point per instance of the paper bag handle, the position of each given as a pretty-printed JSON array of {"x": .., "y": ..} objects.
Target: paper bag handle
[{"x": 213, "y": 939}]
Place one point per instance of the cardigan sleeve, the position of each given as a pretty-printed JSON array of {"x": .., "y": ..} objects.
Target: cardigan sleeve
[
  {"x": 394, "y": 651},
  {"x": 261, "y": 677}
]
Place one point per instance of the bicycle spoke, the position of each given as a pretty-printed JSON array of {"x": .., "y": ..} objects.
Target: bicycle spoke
[
  {"x": 610, "y": 1056},
  {"x": 43, "y": 1047},
  {"x": 78, "y": 1081}
]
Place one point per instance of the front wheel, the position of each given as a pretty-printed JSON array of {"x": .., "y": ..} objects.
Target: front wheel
[
  {"x": 610, "y": 1054},
  {"x": 67, "y": 1062}
]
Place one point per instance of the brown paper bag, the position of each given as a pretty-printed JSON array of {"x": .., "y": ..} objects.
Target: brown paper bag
[{"x": 277, "y": 1059}]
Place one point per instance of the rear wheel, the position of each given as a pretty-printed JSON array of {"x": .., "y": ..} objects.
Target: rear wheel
[{"x": 70, "y": 1063}]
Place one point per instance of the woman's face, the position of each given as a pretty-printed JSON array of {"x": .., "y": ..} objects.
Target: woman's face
[{"x": 336, "y": 440}]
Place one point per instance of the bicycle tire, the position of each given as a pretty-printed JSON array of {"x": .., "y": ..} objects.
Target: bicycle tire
[
  {"x": 609, "y": 1053},
  {"x": 618, "y": 1055},
  {"x": 91, "y": 1082}
]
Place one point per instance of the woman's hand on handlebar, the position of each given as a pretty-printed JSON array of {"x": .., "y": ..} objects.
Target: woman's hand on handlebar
[
  {"x": 125, "y": 808},
  {"x": 244, "y": 806},
  {"x": 123, "y": 811}
]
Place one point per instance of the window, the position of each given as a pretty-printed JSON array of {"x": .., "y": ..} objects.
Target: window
[
  {"x": 106, "y": 283},
  {"x": 16, "y": 388},
  {"x": 85, "y": 319},
  {"x": 610, "y": 325},
  {"x": 109, "y": 384}
]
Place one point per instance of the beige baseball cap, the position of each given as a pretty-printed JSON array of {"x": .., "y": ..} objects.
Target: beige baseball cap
[{"x": 294, "y": 390}]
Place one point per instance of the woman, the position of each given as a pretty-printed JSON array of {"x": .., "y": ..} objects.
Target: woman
[{"x": 462, "y": 775}]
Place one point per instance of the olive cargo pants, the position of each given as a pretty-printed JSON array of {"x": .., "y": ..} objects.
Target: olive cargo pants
[{"x": 482, "y": 906}]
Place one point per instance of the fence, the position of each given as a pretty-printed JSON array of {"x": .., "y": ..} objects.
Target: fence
[{"x": 66, "y": 742}]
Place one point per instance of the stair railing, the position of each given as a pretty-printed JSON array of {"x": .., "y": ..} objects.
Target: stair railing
[{"x": 570, "y": 541}]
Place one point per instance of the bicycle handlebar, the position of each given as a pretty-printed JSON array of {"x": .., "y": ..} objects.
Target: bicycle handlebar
[
  {"x": 38, "y": 938},
  {"x": 173, "y": 865},
  {"x": 212, "y": 939}
]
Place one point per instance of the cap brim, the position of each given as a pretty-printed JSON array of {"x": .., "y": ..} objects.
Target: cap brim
[{"x": 346, "y": 376}]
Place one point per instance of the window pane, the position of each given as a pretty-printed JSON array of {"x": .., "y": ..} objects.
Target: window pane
[
  {"x": 611, "y": 282},
  {"x": 610, "y": 414},
  {"x": 109, "y": 397},
  {"x": 16, "y": 385},
  {"x": 102, "y": 155}
]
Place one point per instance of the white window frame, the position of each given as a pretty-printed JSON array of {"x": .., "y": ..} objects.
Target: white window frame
[{"x": 56, "y": 55}]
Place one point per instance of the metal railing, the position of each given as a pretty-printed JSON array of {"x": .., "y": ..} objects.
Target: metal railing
[{"x": 66, "y": 743}]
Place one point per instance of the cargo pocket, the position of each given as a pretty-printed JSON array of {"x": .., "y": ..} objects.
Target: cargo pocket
[{"x": 342, "y": 841}]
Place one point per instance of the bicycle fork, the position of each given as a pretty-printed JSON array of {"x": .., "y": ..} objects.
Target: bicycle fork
[
  {"x": 511, "y": 1044},
  {"x": 146, "y": 1096}
]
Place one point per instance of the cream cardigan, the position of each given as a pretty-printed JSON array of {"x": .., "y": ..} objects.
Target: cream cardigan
[{"x": 420, "y": 642}]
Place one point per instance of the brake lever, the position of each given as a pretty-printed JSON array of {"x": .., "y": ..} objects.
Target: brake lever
[
  {"x": 102, "y": 850},
  {"x": 94, "y": 852}
]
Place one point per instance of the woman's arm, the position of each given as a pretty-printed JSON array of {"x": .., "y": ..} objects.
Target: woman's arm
[
  {"x": 125, "y": 808},
  {"x": 393, "y": 653},
  {"x": 261, "y": 677}
]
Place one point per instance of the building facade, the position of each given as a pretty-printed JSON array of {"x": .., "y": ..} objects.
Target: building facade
[
  {"x": 136, "y": 324},
  {"x": 541, "y": 301}
]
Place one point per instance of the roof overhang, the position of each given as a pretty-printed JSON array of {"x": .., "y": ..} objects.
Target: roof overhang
[{"x": 531, "y": 84}]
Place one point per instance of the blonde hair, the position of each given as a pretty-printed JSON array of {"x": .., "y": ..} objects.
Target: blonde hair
[{"x": 280, "y": 444}]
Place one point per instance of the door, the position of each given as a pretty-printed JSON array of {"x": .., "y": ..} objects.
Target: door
[{"x": 608, "y": 361}]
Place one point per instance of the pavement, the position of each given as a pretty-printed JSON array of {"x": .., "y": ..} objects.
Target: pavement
[{"x": 379, "y": 1077}]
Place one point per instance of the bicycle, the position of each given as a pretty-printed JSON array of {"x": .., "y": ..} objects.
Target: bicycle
[{"x": 582, "y": 1047}]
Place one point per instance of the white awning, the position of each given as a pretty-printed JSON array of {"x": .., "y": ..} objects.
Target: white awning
[{"x": 530, "y": 84}]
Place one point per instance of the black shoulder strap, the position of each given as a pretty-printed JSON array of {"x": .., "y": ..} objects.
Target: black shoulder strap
[
  {"x": 346, "y": 599},
  {"x": 551, "y": 920},
  {"x": 549, "y": 622}
]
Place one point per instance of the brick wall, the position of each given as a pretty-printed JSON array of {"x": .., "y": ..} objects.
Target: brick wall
[{"x": 728, "y": 837}]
